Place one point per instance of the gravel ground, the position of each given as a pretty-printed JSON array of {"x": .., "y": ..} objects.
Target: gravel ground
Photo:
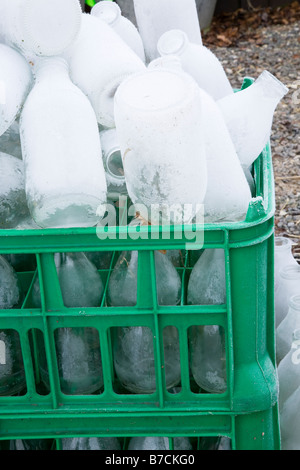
[{"x": 276, "y": 48}]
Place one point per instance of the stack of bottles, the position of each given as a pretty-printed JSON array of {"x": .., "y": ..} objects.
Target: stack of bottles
[
  {"x": 93, "y": 109},
  {"x": 287, "y": 321}
]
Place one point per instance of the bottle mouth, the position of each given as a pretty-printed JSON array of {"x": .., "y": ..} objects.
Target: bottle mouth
[
  {"x": 114, "y": 164},
  {"x": 50, "y": 26},
  {"x": 272, "y": 85},
  {"x": 171, "y": 62},
  {"x": 107, "y": 11},
  {"x": 282, "y": 243},
  {"x": 172, "y": 42},
  {"x": 290, "y": 272},
  {"x": 294, "y": 302}
]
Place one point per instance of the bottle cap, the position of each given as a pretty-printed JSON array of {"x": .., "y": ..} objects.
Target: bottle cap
[
  {"x": 107, "y": 11},
  {"x": 50, "y": 26}
]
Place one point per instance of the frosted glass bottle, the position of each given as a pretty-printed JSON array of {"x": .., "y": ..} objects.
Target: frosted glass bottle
[
  {"x": 249, "y": 115},
  {"x": 78, "y": 349},
  {"x": 134, "y": 346},
  {"x": 162, "y": 107},
  {"x": 10, "y": 141},
  {"x": 159, "y": 443},
  {"x": 289, "y": 370},
  {"x": 113, "y": 165},
  {"x": 65, "y": 178},
  {"x": 198, "y": 61},
  {"x": 290, "y": 422},
  {"x": 41, "y": 27},
  {"x": 110, "y": 12},
  {"x": 13, "y": 203},
  {"x": 229, "y": 185},
  {"x": 288, "y": 285},
  {"x": 228, "y": 192},
  {"x": 286, "y": 328},
  {"x": 207, "y": 286},
  {"x": 15, "y": 83},
  {"x": 91, "y": 443},
  {"x": 12, "y": 374},
  {"x": 283, "y": 256},
  {"x": 99, "y": 61},
  {"x": 160, "y": 16},
  {"x": 31, "y": 444}
]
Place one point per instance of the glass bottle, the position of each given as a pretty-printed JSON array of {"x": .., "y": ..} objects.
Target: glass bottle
[
  {"x": 159, "y": 443},
  {"x": 249, "y": 115},
  {"x": 228, "y": 193},
  {"x": 91, "y": 443},
  {"x": 10, "y": 141},
  {"x": 31, "y": 444},
  {"x": 15, "y": 84},
  {"x": 65, "y": 179},
  {"x": 98, "y": 69},
  {"x": 167, "y": 179},
  {"x": 13, "y": 203},
  {"x": 207, "y": 286},
  {"x": 290, "y": 422},
  {"x": 287, "y": 286},
  {"x": 110, "y": 12},
  {"x": 38, "y": 26},
  {"x": 163, "y": 16},
  {"x": 134, "y": 346},
  {"x": 78, "y": 349},
  {"x": 113, "y": 165},
  {"x": 289, "y": 370},
  {"x": 12, "y": 374},
  {"x": 198, "y": 61},
  {"x": 215, "y": 443},
  {"x": 285, "y": 330},
  {"x": 283, "y": 256}
]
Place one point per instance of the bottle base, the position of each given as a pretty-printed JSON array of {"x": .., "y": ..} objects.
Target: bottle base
[{"x": 78, "y": 210}]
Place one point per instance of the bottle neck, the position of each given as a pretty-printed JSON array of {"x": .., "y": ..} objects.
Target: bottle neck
[
  {"x": 270, "y": 86},
  {"x": 50, "y": 68}
]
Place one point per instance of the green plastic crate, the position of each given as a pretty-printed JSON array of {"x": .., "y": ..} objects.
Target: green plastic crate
[{"x": 247, "y": 412}]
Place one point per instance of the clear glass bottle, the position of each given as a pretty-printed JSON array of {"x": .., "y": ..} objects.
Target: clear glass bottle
[
  {"x": 159, "y": 443},
  {"x": 13, "y": 203},
  {"x": 110, "y": 12},
  {"x": 15, "y": 84},
  {"x": 12, "y": 373},
  {"x": 78, "y": 349},
  {"x": 288, "y": 285},
  {"x": 283, "y": 256},
  {"x": 31, "y": 444},
  {"x": 91, "y": 443},
  {"x": 207, "y": 286},
  {"x": 163, "y": 16},
  {"x": 198, "y": 61},
  {"x": 38, "y": 26},
  {"x": 134, "y": 359},
  {"x": 249, "y": 115},
  {"x": 98, "y": 69},
  {"x": 65, "y": 178},
  {"x": 289, "y": 370},
  {"x": 286, "y": 328},
  {"x": 113, "y": 165},
  {"x": 167, "y": 179}
]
